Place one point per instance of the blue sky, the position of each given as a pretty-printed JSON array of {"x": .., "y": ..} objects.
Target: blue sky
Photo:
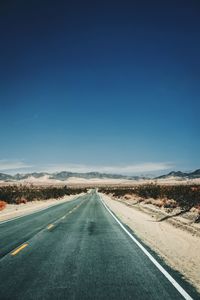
[{"x": 91, "y": 85}]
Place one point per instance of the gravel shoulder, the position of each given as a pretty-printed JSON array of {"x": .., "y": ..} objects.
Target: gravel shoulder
[{"x": 178, "y": 247}]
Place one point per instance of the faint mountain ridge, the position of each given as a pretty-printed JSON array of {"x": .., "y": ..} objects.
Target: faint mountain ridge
[
  {"x": 19, "y": 176},
  {"x": 5, "y": 177},
  {"x": 181, "y": 175},
  {"x": 89, "y": 175},
  {"x": 65, "y": 175}
]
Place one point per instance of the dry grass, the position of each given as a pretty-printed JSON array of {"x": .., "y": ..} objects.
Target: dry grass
[
  {"x": 166, "y": 203},
  {"x": 128, "y": 197},
  {"x": 17, "y": 194},
  {"x": 173, "y": 199}
]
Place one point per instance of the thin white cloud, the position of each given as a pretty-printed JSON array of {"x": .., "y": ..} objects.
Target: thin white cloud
[
  {"x": 6, "y": 165},
  {"x": 119, "y": 169},
  {"x": 14, "y": 166}
]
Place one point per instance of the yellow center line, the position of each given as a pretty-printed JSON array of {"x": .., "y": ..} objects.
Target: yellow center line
[
  {"x": 63, "y": 217},
  {"x": 19, "y": 249},
  {"x": 50, "y": 226}
]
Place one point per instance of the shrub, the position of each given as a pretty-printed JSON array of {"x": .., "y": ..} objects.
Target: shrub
[
  {"x": 183, "y": 196},
  {"x": 158, "y": 202},
  {"x": 16, "y": 194},
  {"x": 21, "y": 200},
  {"x": 170, "y": 204},
  {"x": 2, "y": 204},
  {"x": 148, "y": 201}
]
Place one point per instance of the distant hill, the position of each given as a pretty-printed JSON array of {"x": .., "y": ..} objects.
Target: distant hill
[
  {"x": 5, "y": 177},
  {"x": 25, "y": 176},
  {"x": 64, "y": 175},
  {"x": 183, "y": 175}
]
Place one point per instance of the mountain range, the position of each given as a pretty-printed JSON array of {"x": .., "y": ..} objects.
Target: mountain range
[
  {"x": 63, "y": 176},
  {"x": 183, "y": 175}
]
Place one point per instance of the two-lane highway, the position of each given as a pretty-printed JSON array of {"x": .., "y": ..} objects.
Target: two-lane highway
[{"x": 79, "y": 252}]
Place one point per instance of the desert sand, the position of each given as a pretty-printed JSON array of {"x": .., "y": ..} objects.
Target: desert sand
[{"x": 94, "y": 182}]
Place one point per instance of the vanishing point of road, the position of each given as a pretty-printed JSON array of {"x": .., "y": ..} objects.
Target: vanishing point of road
[{"x": 78, "y": 250}]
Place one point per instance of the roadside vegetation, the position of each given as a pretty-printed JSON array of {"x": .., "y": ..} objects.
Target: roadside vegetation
[
  {"x": 182, "y": 198},
  {"x": 17, "y": 194},
  {"x": 2, "y": 205}
]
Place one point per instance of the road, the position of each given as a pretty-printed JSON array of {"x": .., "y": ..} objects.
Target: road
[{"x": 77, "y": 250}]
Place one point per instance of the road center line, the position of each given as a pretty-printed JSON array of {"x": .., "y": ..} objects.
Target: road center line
[
  {"x": 19, "y": 249},
  {"x": 50, "y": 226},
  {"x": 153, "y": 260},
  {"x": 37, "y": 211},
  {"x": 63, "y": 217}
]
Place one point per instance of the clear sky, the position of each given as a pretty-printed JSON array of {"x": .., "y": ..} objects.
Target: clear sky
[{"x": 100, "y": 85}]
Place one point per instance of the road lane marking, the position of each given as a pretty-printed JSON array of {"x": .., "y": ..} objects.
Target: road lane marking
[
  {"x": 153, "y": 260},
  {"x": 19, "y": 249},
  {"x": 50, "y": 226},
  {"x": 39, "y": 210},
  {"x": 16, "y": 251},
  {"x": 63, "y": 217}
]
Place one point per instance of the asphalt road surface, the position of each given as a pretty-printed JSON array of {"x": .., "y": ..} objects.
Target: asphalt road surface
[{"x": 77, "y": 250}]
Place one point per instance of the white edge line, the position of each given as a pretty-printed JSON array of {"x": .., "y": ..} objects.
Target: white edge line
[
  {"x": 32, "y": 213},
  {"x": 154, "y": 261}
]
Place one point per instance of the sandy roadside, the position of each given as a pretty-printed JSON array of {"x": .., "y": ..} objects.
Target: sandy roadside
[
  {"x": 179, "y": 248},
  {"x": 12, "y": 210}
]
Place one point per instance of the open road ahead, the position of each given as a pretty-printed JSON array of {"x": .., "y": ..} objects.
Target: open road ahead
[{"x": 78, "y": 250}]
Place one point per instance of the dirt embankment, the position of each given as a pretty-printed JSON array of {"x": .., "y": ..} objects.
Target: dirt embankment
[{"x": 178, "y": 247}]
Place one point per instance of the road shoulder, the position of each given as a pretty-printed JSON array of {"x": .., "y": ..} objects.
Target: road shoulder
[{"x": 179, "y": 248}]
